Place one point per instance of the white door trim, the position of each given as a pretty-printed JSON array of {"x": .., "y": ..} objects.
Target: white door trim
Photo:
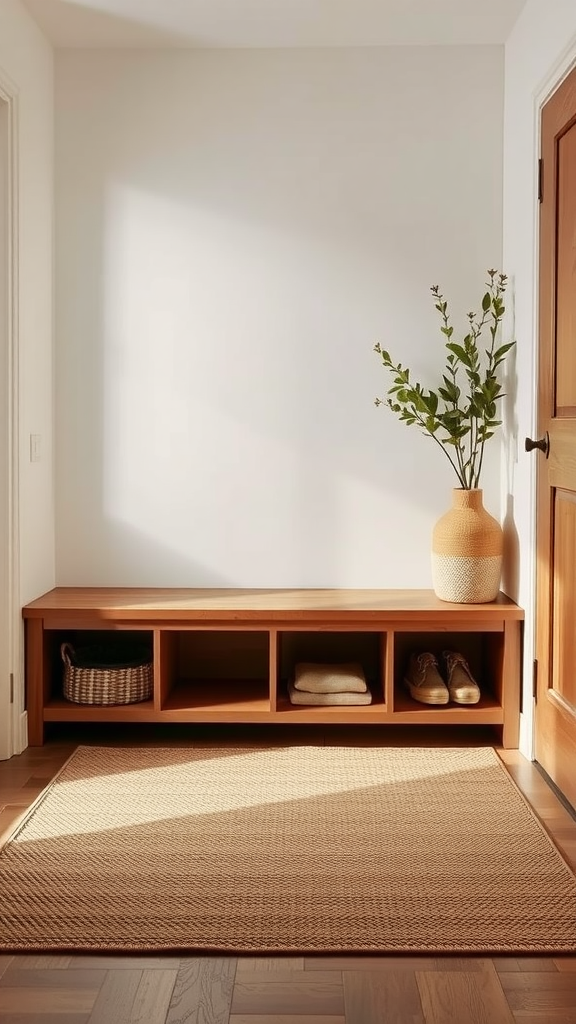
[{"x": 12, "y": 697}]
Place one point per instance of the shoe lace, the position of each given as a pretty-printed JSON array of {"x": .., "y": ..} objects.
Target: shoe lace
[
  {"x": 427, "y": 660},
  {"x": 453, "y": 658}
]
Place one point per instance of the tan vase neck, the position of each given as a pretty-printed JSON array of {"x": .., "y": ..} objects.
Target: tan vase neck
[{"x": 467, "y": 499}]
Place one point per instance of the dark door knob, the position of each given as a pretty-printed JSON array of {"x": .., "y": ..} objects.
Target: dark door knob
[{"x": 543, "y": 444}]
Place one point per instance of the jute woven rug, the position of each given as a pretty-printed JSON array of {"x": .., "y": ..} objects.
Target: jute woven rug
[{"x": 297, "y": 849}]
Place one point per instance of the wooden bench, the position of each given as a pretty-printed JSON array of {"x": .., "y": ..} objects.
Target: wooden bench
[{"x": 226, "y": 655}]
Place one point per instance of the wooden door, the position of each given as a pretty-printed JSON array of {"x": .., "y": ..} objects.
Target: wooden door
[{"x": 556, "y": 502}]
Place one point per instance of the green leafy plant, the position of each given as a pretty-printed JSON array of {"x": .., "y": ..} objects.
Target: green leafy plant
[{"x": 461, "y": 414}]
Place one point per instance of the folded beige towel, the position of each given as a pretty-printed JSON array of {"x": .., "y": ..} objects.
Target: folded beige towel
[
  {"x": 316, "y": 678},
  {"x": 325, "y": 699}
]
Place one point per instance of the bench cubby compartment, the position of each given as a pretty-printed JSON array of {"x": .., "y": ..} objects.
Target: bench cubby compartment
[
  {"x": 482, "y": 650},
  {"x": 123, "y": 642},
  {"x": 365, "y": 648},
  {"x": 214, "y": 670}
]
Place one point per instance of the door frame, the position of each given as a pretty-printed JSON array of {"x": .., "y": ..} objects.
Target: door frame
[
  {"x": 13, "y": 738},
  {"x": 559, "y": 71}
]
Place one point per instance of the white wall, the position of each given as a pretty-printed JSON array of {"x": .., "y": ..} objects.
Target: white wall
[
  {"x": 538, "y": 53},
  {"x": 26, "y": 59},
  {"x": 235, "y": 230},
  {"x": 26, "y": 73}
]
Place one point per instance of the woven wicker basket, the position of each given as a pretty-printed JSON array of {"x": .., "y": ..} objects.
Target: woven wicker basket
[{"x": 88, "y": 679}]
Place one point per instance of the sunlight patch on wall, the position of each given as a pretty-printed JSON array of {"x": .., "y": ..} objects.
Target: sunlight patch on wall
[{"x": 208, "y": 418}]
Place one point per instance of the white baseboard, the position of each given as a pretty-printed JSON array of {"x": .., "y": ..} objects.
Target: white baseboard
[{"x": 21, "y": 737}]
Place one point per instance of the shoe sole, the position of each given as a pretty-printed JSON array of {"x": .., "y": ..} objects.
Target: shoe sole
[{"x": 424, "y": 698}]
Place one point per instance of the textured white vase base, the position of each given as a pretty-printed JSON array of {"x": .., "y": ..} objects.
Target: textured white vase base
[{"x": 465, "y": 579}]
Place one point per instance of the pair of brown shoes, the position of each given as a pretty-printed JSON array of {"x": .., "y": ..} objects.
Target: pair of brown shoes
[{"x": 425, "y": 683}]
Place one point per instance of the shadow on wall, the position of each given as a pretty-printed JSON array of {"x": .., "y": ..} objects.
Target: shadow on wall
[
  {"x": 123, "y": 555},
  {"x": 511, "y": 560}
]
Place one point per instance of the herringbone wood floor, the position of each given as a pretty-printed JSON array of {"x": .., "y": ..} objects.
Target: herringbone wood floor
[{"x": 294, "y": 990}]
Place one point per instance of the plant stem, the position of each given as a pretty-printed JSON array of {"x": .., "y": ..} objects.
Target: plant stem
[
  {"x": 442, "y": 305},
  {"x": 455, "y": 467}
]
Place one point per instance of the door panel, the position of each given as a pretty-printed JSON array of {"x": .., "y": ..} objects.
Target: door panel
[
  {"x": 566, "y": 277},
  {"x": 555, "y": 734},
  {"x": 564, "y": 607},
  {"x": 562, "y": 465}
]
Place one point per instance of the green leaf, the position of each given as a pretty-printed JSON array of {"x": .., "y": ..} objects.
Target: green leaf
[
  {"x": 501, "y": 352},
  {"x": 486, "y": 302},
  {"x": 491, "y": 388},
  {"x": 452, "y": 416},
  {"x": 458, "y": 351}
]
